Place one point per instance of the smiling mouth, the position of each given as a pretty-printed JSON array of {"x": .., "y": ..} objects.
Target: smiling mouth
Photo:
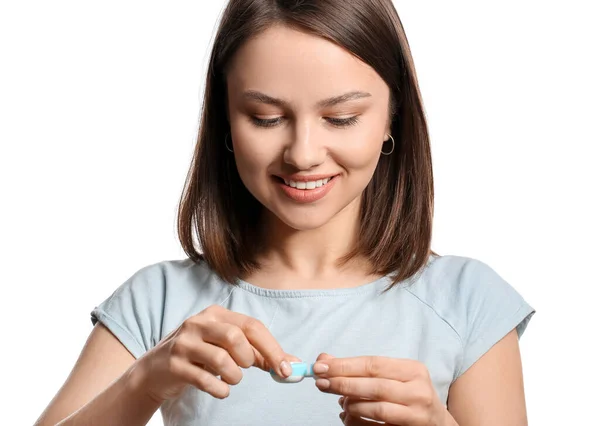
[{"x": 305, "y": 185}]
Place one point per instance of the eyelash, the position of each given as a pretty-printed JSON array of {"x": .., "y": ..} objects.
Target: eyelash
[{"x": 337, "y": 122}]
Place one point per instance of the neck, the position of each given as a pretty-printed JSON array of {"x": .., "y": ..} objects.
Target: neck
[{"x": 313, "y": 254}]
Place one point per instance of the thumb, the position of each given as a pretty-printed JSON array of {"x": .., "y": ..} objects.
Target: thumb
[{"x": 292, "y": 358}]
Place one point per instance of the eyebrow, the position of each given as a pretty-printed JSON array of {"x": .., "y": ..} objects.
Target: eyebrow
[{"x": 255, "y": 95}]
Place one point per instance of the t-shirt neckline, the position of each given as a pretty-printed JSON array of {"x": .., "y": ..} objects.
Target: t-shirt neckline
[{"x": 366, "y": 288}]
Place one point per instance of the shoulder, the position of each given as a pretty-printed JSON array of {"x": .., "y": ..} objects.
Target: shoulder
[
  {"x": 157, "y": 297},
  {"x": 176, "y": 286},
  {"x": 452, "y": 278},
  {"x": 475, "y": 300},
  {"x": 170, "y": 275}
]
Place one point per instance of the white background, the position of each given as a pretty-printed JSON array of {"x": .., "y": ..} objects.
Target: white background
[{"x": 99, "y": 107}]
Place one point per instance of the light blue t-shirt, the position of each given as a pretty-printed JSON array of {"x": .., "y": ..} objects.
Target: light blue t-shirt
[{"x": 447, "y": 316}]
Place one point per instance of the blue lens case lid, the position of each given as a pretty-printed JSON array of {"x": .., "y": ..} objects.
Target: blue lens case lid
[{"x": 300, "y": 370}]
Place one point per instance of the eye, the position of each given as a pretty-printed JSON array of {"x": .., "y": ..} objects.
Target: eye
[
  {"x": 265, "y": 122},
  {"x": 271, "y": 122},
  {"x": 343, "y": 122}
]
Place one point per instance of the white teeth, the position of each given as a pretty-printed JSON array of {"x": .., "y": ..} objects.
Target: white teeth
[{"x": 307, "y": 185}]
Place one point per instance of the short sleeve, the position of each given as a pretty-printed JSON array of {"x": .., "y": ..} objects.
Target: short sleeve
[
  {"x": 489, "y": 309},
  {"x": 133, "y": 312}
]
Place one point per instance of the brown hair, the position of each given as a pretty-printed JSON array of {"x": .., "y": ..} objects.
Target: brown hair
[{"x": 397, "y": 205}]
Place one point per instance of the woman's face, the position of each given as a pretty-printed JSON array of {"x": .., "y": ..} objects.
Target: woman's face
[{"x": 308, "y": 121}]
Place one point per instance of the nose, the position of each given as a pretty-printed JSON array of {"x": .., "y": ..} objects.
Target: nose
[{"x": 304, "y": 151}]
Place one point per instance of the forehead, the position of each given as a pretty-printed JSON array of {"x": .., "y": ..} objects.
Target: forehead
[{"x": 299, "y": 66}]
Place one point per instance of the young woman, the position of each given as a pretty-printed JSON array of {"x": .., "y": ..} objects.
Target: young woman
[{"x": 311, "y": 196}]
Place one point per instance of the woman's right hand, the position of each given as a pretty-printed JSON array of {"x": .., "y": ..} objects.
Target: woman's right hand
[{"x": 214, "y": 342}]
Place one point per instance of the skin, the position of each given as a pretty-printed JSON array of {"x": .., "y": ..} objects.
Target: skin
[
  {"x": 306, "y": 139},
  {"x": 109, "y": 386}
]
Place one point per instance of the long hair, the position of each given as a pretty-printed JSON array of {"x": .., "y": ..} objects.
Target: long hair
[{"x": 397, "y": 205}]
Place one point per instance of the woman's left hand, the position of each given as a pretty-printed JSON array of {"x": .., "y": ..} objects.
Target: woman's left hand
[{"x": 390, "y": 390}]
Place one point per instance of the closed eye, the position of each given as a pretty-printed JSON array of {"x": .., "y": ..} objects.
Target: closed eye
[
  {"x": 261, "y": 122},
  {"x": 337, "y": 122},
  {"x": 343, "y": 122}
]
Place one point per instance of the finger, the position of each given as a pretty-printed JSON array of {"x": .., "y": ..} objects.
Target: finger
[
  {"x": 262, "y": 340},
  {"x": 350, "y": 420},
  {"x": 403, "y": 370},
  {"x": 321, "y": 364},
  {"x": 368, "y": 388},
  {"x": 259, "y": 360},
  {"x": 210, "y": 370},
  {"x": 218, "y": 361},
  {"x": 263, "y": 364},
  {"x": 324, "y": 357},
  {"x": 230, "y": 338},
  {"x": 201, "y": 379},
  {"x": 380, "y": 411}
]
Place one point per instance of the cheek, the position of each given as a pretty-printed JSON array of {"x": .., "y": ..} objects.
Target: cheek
[
  {"x": 253, "y": 146},
  {"x": 253, "y": 156},
  {"x": 247, "y": 158},
  {"x": 359, "y": 153},
  {"x": 358, "y": 149},
  {"x": 249, "y": 167},
  {"x": 358, "y": 160}
]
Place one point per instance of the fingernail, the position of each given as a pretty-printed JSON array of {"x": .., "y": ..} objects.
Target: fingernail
[
  {"x": 286, "y": 368},
  {"x": 322, "y": 383},
  {"x": 320, "y": 368},
  {"x": 343, "y": 415},
  {"x": 341, "y": 401}
]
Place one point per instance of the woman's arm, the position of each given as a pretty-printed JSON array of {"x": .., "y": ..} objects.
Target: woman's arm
[
  {"x": 123, "y": 403},
  {"x": 491, "y": 391},
  {"x": 103, "y": 388}
]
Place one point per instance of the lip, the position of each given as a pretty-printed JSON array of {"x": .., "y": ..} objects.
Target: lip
[
  {"x": 305, "y": 196},
  {"x": 305, "y": 178}
]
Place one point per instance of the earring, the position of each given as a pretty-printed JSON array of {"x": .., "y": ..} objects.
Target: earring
[
  {"x": 227, "y": 146},
  {"x": 393, "y": 146}
]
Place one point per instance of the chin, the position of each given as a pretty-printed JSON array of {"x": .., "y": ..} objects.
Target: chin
[
  {"x": 301, "y": 218},
  {"x": 303, "y": 221},
  {"x": 308, "y": 215}
]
